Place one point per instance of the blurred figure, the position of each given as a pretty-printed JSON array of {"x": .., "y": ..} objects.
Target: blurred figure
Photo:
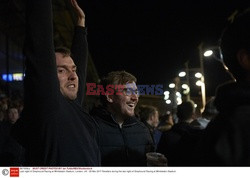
[
  {"x": 13, "y": 114},
  {"x": 149, "y": 115},
  {"x": 227, "y": 138},
  {"x": 2, "y": 110},
  {"x": 166, "y": 122},
  {"x": 208, "y": 114},
  {"x": 4, "y": 102},
  {"x": 11, "y": 152},
  {"x": 2, "y": 116},
  {"x": 124, "y": 140},
  {"x": 178, "y": 142}
]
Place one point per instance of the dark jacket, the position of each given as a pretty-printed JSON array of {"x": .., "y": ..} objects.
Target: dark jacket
[
  {"x": 155, "y": 134},
  {"x": 178, "y": 144},
  {"x": 122, "y": 146},
  {"x": 227, "y": 137},
  {"x": 11, "y": 153},
  {"x": 54, "y": 130}
]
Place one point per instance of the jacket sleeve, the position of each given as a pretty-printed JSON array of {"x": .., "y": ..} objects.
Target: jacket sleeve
[
  {"x": 79, "y": 51},
  {"x": 41, "y": 85}
]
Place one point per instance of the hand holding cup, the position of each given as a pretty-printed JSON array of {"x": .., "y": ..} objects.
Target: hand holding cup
[{"x": 156, "y": 159}]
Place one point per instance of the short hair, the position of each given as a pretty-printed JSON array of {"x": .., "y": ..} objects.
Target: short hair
[
  {"x": 64, "y": 51},
  {"x": 185, "y": 110},
  {"x": 146, "y": 111},
  {"x": 236, "y": 36},
  {"x": 116, "y": 78},
  {"x": 210, "y": 109}
]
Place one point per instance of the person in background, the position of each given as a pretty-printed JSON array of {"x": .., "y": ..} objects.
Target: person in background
[
  {"x": 13, "y": 114},
  {"x": 226, "y": 141},
  {"x": 149, "y": 115},
  {"x": 4, "y": 103},
  {"x": 3, "y": 109},
  {"x": 208, "y": 114},
  {"x": 124, "y": 140},
  {"x": 166, "y": 122},
  {"x": 178, "y": 142},
  {"x": 11, "y": 152}
]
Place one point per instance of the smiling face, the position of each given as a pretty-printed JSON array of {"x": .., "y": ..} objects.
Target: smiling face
[
  {"x": 68, "y": 79},
  {"x": 123, "y": 105}
]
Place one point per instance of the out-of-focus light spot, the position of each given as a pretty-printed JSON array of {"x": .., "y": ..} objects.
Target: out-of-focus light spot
[
  {"x": 171, "y": 85},
  {"x": 208, "y": 53}
]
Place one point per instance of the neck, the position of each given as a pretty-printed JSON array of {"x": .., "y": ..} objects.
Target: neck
[
  {"x": 118, "y": 117},
  {"x": 150, "y": 124}
]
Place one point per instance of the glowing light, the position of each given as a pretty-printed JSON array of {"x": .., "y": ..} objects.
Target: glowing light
[
  {"x": 168, "y": 101},
  {"x": 208, "y": 53},
  {"x": 171, "y": 85},
  {"x": 184, "y": 86},
  {"x": 199, "y": 83},
  {"x": 182, "y": 74},
  {"x": 178, "y": 94},
  {"x": 198, "y": 75},
  {"x": 166, "y": 97},
  {"x": 179, "y": 101},
  {"x": 166, "y": 92},
  {"x": 17, "y": 76}
]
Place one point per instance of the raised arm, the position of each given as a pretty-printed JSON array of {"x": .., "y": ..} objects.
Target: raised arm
[
  {"x": 41, "y": 84},
  {"x": 80, "y": 13},
  {"x": 79, "y": 49}
]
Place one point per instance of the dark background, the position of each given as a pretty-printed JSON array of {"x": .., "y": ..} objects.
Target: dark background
[{"x": 153, "y": 39}]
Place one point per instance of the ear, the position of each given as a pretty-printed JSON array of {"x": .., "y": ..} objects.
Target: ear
[
  {"x": 151, "y": 118},
  {"x": 244, "y": 59},
  {"x": 109, "y": 98},
  {"x": 193, "y": 116}
]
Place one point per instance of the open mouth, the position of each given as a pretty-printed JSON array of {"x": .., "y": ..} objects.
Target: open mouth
[
  {"x": 131, "y": 105},
  {"x": 71, "y": 86}
]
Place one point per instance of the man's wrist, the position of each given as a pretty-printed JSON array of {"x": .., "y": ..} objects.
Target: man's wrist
[{"x": 81, "y": 23}]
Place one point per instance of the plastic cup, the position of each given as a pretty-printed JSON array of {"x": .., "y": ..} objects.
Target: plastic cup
[{"x": 156, "y": 159}]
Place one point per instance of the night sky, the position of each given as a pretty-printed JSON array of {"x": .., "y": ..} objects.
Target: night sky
[{"x": 153, "y": 39}]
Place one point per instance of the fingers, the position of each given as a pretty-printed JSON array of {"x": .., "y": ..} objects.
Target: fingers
[
  {"x": 80, "y": 13},
  {"x": 74, "y": 3},
  {"x": 77, "y": 8}
]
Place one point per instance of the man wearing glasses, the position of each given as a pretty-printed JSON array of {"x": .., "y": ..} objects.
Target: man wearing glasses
[{"x": 124, "y": 140}]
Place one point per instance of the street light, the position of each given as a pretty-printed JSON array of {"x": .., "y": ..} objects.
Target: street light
[
  {"x": 216, "y": 52},
  {"x": 186, "y": 85},
  {"x": 168, "y": 101},
  {"x": 198, "y": 75},
  {"x": 171, "y": 85},
  {"x": 203, "y": 87},
  {"x": 182, "y": 74},
  {"x": 208, "y": 53}
]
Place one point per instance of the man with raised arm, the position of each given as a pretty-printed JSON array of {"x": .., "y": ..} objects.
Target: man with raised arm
[{"x": 58, "y": 132}]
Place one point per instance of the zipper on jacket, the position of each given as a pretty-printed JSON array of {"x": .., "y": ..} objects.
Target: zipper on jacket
[{"x": 125, "y": 143}]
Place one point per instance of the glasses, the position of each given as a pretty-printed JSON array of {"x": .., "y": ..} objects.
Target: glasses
[{"x": 130, "y": 91}]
